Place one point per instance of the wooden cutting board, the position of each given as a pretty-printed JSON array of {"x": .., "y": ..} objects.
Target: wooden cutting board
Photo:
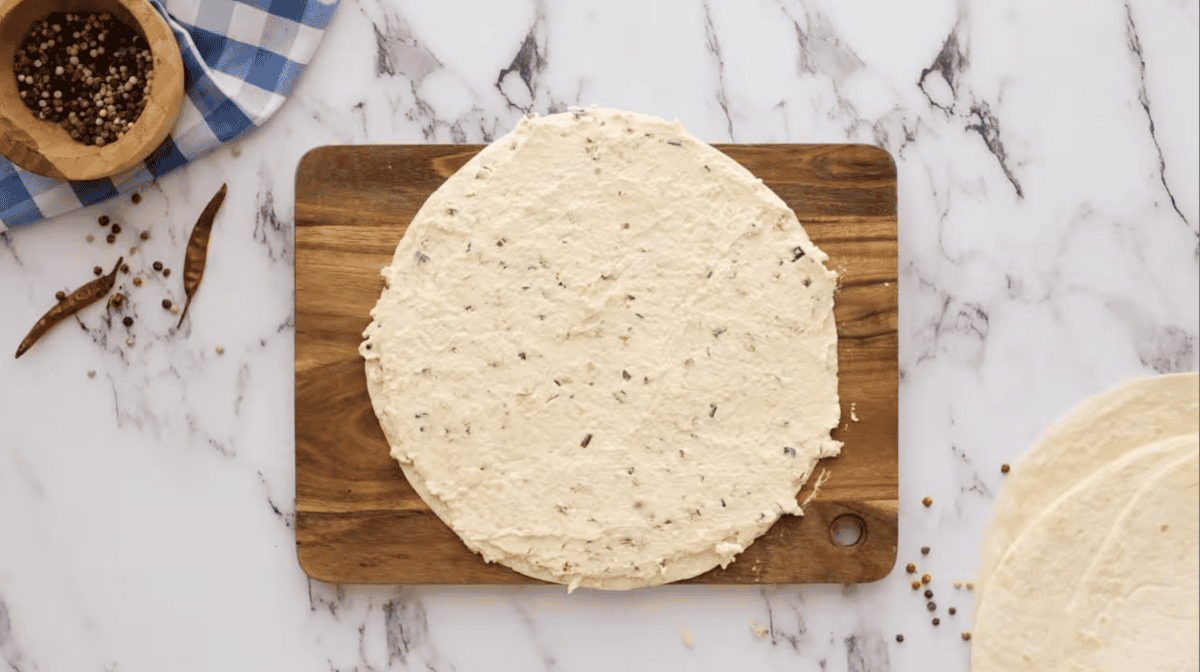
[{"x": 359, "y": 521}]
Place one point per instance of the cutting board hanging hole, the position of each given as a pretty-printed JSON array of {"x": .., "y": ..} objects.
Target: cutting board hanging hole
[{"x": 848, "y": 530}]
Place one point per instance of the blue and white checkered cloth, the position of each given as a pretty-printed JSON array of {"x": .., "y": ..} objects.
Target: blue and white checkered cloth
[{"x": 242, "y": 58}]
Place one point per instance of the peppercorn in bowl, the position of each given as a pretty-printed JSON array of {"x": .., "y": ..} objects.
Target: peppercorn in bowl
[{"x": 88, "y": 88}]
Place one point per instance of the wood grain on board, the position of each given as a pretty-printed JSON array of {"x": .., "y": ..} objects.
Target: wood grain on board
[{"x": 359, "y": 521}]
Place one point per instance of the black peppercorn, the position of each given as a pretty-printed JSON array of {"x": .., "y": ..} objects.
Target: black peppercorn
[
  {"x": 136, "y": 198},
  {"x": 166, "y": 272},
  {"x": 928, "y": 593},
  {"x": 931, "y": 606},
  {"x": 116, "y": 228},
  {"x": 125, "y": 268},
  {"x": 166, "y": 304},
  {"x": 899, "y": 638},
  {"x": 60, "y": 295},
  {"x": 128, "y": 321},
  {"x": 111, "y": 239},
  {"x": 104, "y": 220},
  {"x": 157, "y": 265},
  {"x": 145, "y": 235},
  {"x": 97, "y": 270},
  {"x": 924, "y": 550},
  {"x": 937, "y": 621}
]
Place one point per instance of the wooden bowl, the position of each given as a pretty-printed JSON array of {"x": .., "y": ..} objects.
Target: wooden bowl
[{"x": 45, "y": 148}]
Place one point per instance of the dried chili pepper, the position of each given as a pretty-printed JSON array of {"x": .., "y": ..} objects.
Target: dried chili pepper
[
  {"x": 74, "y": 302},
  {"x": 197, "y": 251}
]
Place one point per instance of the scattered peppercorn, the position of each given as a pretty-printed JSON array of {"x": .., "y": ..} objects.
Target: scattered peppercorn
[
  {"x": 104, "y": 220},
  {"x": 899, "y": 638},
  {"x": 916, "y": 585},
  {"x": 116, "y": 228},
  {"x": 91, "y": 373},
  {"x": 925, "y": 578},
  {"x": 137, "y": 282},
  {"x": 953, "y": 611},
  {"x": 1004, "y": 468},
  {"x": 970, "y": 586},
  {"x": 136, "y": 198},
  {"x": 60, "y": 295},
  {"x": 128, "y": 321},
  {"x": 220, "y": 349},
  {"x": 928, "y": 593},
  {"x": 90, "y": 238},
  {"x": 937, "y": 621},
  {"x": 957, "y": 584},
  {"x": 157, "y": 265},
  {"x": 111, "y": 239},
  {"x": 97, "y": 270},
  {"x": 931, "y": 606},
  {"x": 928, "y": 501},
  {"x": 145, "y": 235},
  {"x": 166, "y": 272},
  {"x": 166, "y": 304},
  {"x": 910, "y": 568},
  {"x": 924, "y": 550},
  {"x": 966, "y": 636},
  {"x": 130, "y": 341}
]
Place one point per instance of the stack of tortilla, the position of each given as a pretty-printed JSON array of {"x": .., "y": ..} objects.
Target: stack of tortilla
[{"x": 1090, "y": 562}]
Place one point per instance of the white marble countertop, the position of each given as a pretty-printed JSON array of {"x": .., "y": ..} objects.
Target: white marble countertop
[{"x": 1048, "y": 204}]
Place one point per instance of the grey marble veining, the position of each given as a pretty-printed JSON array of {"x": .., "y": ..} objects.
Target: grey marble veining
[{"x": 1049, "y": 249}]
